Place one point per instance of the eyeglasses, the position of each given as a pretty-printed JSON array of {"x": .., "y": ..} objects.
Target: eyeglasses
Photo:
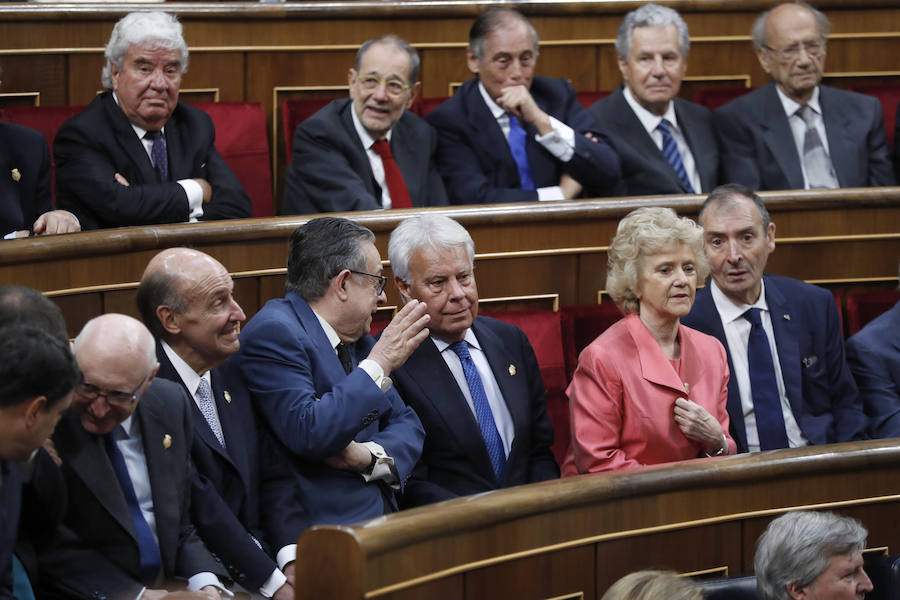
[
  {"x": 113, "y": 397},
  {"x": 382, "y": 280},
  {"x": 814, "y": 49},
  {"x": 392, "y": 87}
]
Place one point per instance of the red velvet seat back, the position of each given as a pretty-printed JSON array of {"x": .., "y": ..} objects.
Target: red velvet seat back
[
  {"x": 889, "y": 96},
  {"x": 587, "y": 99},
  {"x": 294, "y": 112},
  {"x": 862, "y": 308},
  {"x": 581, "y": 326},
  {"x": 714, "y": 97}
]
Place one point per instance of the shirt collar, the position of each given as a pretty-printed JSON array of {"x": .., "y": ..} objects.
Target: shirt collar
[
  {"x": 790, "y": 107},
  {"x": 333, "y": 338},
  {"x": 469, "y": 338},
  {"x": 188, "y": 375},
  {"x": 128, "y": 427},
  {"x": 729, "y": 310},
  {"x": 495, "y": 108},
  {"x": 364, "y": 137},
  {"x": 647, "y": 118}
]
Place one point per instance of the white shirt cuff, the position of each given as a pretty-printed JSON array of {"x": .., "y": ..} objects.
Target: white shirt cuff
[
  {"x": 384, "y": 465},
  {"x": 560, "y": 142},
  {"x": 272, "y": 584},
  {"x": 201, "y": 580},
  {"x": 550, "y": 193},
  {"x": 286, "y": 555},
  {"x": 372, "y": 368},
  {"x": 195, "y": 198}
]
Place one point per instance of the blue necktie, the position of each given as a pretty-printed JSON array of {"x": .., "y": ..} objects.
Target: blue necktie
[
  {"x": 151, "y": 561},
  {"x": 670, "y": 151},
  {"x": 207, "y": 408},
  {"x": 158, "y": 155},
  {"x": 482, "y": 409},
  {"x": 763, "y": 387},
  {"x": 517, "y": 147}
]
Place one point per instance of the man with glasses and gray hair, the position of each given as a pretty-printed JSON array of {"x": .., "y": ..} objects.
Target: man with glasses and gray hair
[
  {"x": 795, "y": 133},
  {"x": 321, "y": 382},
  {"x": 367, "y": 152},
  {"x": 805, "y": 555}
]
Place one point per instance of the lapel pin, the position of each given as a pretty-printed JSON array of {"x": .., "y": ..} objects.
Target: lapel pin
[
  {"x": 16, "y": 175},
  {"x": 512, "y": 369},
  {"x": 687, "y": 388},
  {"x": 227, "y": 397},
  {"x": 167, "y": 441},
  {"x": 787, "y": 317}
]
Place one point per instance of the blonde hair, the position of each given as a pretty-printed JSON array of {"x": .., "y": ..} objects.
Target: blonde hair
[
  {"x": 643, "y": 232},
  {"x": 653, "y": 585}
]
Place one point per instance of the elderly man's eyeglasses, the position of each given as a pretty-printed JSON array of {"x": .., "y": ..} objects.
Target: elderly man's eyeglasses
[
  {"x": 393, "y": 87},
  {"x": 113, "y": 397},
  {"x": 813, "y": 49},
  {"x": 382, "y": 280}
]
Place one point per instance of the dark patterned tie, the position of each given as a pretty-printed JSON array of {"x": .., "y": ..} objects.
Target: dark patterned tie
[
  {"x": 516, "y": 141},
  {"x": 158, "y": 155},
  {"x": 764, "y": 387},
  {"x": 816, "y": 162},
  {"x": 393, "y": 178},
  {"x": 670, "y": 151},
  {"x": 345, "y": 358},
  {"x": 207, "y": 407}
]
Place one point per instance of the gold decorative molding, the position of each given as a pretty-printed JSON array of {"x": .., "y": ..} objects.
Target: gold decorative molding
[
  {"x": 214, "y": 91},
  {"x": 742, "y": 78},
  {"x": 707, "y": 573},
  {"x": 528, "y": 298},
  {"x": 572, "y": 596},
  {"x": 35, "y": 96}
]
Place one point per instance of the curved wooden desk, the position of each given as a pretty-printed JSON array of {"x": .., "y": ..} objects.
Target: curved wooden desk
[{"x": 572, "y": 538}]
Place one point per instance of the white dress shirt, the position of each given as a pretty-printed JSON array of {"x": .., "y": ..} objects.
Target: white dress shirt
[
  {"x": 374, "y": 158},
  {"x": 737, "y": 334},
  {"x": 798, "y": 125}
]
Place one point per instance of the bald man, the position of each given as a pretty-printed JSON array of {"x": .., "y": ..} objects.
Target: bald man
[
  {"x": 245, "y": 501},
  {"x": 125, "y": 460}
]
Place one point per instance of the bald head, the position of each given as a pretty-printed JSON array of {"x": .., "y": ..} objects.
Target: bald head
[{"x": 118, "y": 340}]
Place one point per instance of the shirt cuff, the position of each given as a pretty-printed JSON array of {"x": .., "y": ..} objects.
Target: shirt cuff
[
  {"x": 373, "y": 369},
  {"x": 286, "y": 555},
  {"x": 195, "y": 198},
  {"x": 384, "y": 465},
  {"x": 560, "y": 142},
  {"x": 201, "y": 580},
  {"x": 550, "y": 193},
  {"x": 272, "y": 584}
]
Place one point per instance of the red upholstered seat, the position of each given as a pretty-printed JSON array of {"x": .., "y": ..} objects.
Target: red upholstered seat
[
  {"x": 294, "y": 112},
  {"x": 423, "y": 106},
  {"x": 242, "y": 141},
  {"x": 714, "y": 97},
  {"x": 581, "y": 325},
  {"x": 862, "y": 308},
  {"x": 544, "y": 331},
  {"x": 586, "y": 99},
  {"x": 889, "y": 96}
]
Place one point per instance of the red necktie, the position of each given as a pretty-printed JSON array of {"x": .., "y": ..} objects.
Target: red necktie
[{"x": 392, "y": 176}]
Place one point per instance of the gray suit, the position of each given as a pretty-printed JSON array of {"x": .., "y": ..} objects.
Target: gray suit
[
  {"x": 330, "y": 171},
  {"x": 645, "y": 171},
  {"x": 758, "y": 148}
]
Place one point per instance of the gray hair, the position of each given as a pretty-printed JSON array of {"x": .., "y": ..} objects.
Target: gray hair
[
  {"x": 758, "y": 32},
  {"x": 724, "y": 194},
  {"x": 643, "y": 232},
  {"x": 398, "y": 43},
  {"x": 153, "y": 29},
  {"x": 797, "y": 548},
  {"x": 433, "y": 231},
  {"x": 493, "y": 19},
  {"x": 651, "y": 15},
  {"x": 322, "y": 248}
]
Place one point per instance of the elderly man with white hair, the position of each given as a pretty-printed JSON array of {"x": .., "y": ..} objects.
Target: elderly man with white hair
[{"x": 136, "y": 155}]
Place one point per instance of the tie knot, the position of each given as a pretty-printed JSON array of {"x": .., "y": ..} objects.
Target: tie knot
[
  {"x": 203, "y": 389},
  {"x": 153, "y": 135},
  {"x": 513, "y": 121},
  {"x": 663, "y": 126},
  {"x": 752, "y": 315},
  {"x": 807, "y": 114},
  {"x": 382, "y": 148},
  {"x": 461, "y": 349}
]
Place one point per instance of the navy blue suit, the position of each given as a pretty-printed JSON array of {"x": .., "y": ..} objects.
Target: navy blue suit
[
  {"x": 758, "y": 148},
  {"x": 10, "y": 501},
  {"x": 23, "y": 201},
  {"x": 300, "y": 389},
  {"x": 645, "y": 171},
  {"x": 475, "y": 160},
  {"x": 817, "y": 381},
  {"x": 455, "y": 459},
  {"x": 247, "y": 489},
  {"x": 874, "y": 358}
]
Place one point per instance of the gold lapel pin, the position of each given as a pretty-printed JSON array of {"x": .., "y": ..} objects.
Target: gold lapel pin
[
  {"x": 167, "y": 441},
  {"x": 16, "y": 175},
  {"x": 227, "y": 397},
  {"x": 687, "y": 388},
  {"x": 512, "y": 369},
  {"x": 787, "y": 317}
]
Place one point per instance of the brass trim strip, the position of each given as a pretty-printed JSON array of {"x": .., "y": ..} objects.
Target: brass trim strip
[
  {"x": 471, "y": 566},
  {"x": 35, "y": 95},
  {"x": 109, "y": 287},
  {"x": 743, "y": 78},
  {"x": 260, "y": 272},
  {"x": 214, "y": 90},
  {"x": 842, "y": 74},
  {"x": 573, "y": 596},
  {"x": 892, "y": 279},
  {"x": 498, "y": 299},
  {"x": 877, "y": 550},
  {"x": 860, "y": 237},
  {"x": 723, "y": 571}
]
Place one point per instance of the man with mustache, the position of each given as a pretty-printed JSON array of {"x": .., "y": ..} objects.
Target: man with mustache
[
  {"x": 367, "y": 152},
  {"x": 245, "y": 501},
  {"x": 795, "y": 133},
  {"x": 790, "y": 384}
]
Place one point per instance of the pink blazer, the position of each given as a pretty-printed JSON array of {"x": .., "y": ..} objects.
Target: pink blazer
[{"x": 622, "y": 398}]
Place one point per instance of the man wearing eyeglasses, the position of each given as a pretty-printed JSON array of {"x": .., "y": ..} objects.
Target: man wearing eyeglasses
[
  {"x": 367, "y": 152},
  {"x": 125, "y": 460},
  {"x": 322, "y": 383},
  {"x": 795, "y": 133}
]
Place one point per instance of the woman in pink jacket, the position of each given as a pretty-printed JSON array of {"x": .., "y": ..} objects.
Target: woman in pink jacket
[{"x": 649, "y": 390}]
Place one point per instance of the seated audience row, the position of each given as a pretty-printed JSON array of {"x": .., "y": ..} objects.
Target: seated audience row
[{"x": 137, "y": 156}]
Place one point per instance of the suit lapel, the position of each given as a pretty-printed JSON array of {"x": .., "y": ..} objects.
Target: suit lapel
[
  {"x": 125, "y": 136},
  {"x": 362, "y": 156},
  {"x": 779, "y": 138},
  {"x": 179, "y": 163},
  {"x": 702, "y": 147},
  {"x": 786, "y": 338},
  {"x": 489, "y": 137},
  {"x": 655, "y": 367},
  {"x": 842, "y": 144},
  {"x": 331, "y": 364}
]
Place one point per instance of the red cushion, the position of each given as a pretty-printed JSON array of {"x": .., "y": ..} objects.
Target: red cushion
[
  {"x": 714, "y": 97},
  {"x": 862, "y": 308},
  {"x": 889, "y": 96},
  {"x": 587, "y": 99},
  {"x": 581, "y": 325},
  {"x": 423, "y": 106},
  {"x": 294, "y": 112}
]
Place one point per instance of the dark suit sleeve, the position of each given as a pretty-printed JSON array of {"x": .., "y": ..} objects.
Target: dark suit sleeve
[
  {"x": 420, "y": 490},
  {"x": 229, "y": 200},
  {"x": 542, "y": 464},
  {"x": 43, "y": 198},
  {"x": 737, "y": 155},
  {"x": 881, "y": 171},
  {"x": 879, "y": 392},
  {"x": 283, "y": 516},
  {"x": 401, "y": 435}
]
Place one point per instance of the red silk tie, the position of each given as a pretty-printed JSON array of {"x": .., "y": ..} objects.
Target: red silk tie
[{"x": 392, "y": 176}]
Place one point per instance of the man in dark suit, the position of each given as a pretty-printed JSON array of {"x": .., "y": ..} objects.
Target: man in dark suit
[
  {"x": 475, "y": 384},
  {"x": 794, "y": 133},
  {"x": 37, "y": 376},
  {"x": 507, "y": 136},
  {"x": 321, "y": 382},
  {"x": 26, "y": 204},
  {"x": 136, "y": 155},
  {"x": 339, "y": 162},
  {"x": 667, "y": 145},
  {"x": 126, "y": 464},
  {"x": 790, "y": 384},
  {"x": 245, "y": 501},
  {"x": 874, "y": 357}
]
